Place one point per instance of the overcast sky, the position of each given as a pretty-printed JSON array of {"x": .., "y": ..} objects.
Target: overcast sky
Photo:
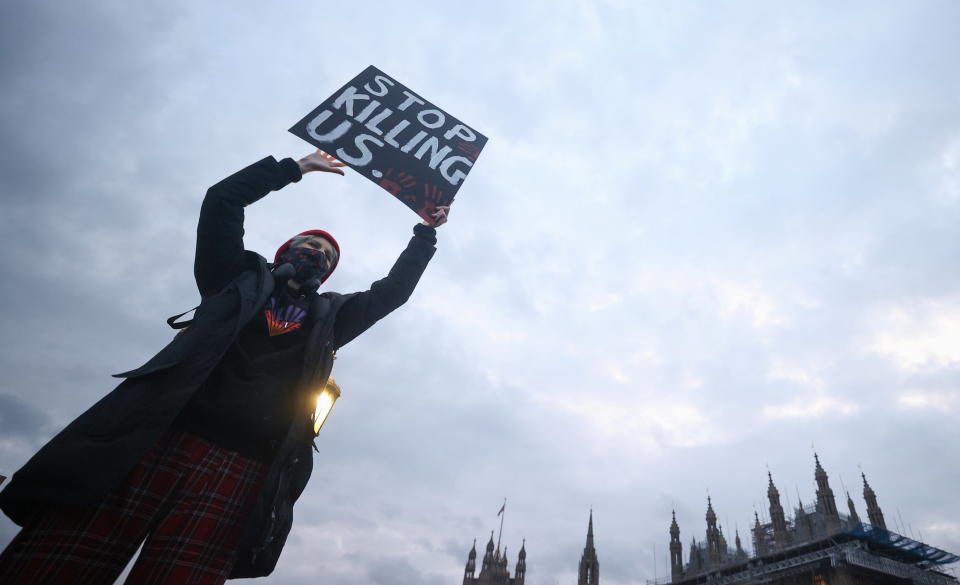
[{"x": 703, "y": 239}]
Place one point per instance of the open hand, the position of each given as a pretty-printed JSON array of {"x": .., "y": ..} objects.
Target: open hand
[
  {"x": 439, "y": 215},
  {"x": 320, "y": 161}
]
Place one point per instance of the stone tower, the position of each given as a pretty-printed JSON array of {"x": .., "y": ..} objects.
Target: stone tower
[
  {"x": 713, "y": 536},
  {"x": 676, "y": 550},
  {"x": 468, "y": 572},
  {"x": 759, "y": 542},
  {"x": 488, "y": 563},
  {"x": 854, "y": 517},
  {"x": 589, "y": 566},
  {"x": 826, "y": 503},
  {"x": 801, "y": 522},
  {"x": 521, "y": 573},
  {"x": 777, "y": 516},
  {"x": 874, "y": 514}
]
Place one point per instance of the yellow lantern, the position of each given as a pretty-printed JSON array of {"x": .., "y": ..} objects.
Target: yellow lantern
[{"x": 325, "y": 399}]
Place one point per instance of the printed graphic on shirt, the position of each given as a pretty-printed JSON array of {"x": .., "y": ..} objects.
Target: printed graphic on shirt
[{"x": 283, "y": 318}]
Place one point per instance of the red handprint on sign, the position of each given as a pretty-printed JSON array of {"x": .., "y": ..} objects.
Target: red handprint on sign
[
  {"x": 395, "y": 184},
  {"x": 470, "y": 149}
]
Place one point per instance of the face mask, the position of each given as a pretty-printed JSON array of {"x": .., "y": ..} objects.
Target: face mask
[{"x": 308, "y": 264}]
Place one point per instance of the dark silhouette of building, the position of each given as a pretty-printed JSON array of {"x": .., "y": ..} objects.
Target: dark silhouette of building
[
  {"x": 493, "y": 569},
  {"x": 820, "y": 546},
  {"x": 589, "y": 573}
]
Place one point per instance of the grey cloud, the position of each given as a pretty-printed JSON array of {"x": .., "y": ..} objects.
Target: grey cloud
[
  {"x": 19, "y": 419},
  {"x": 388, "y": 571},
  {"x": 652, "y": 154}
]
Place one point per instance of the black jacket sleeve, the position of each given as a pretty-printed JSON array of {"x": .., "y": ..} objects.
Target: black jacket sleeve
[
  {"x": 219, "y": 256},
  {"x": 366, "y": 308}
]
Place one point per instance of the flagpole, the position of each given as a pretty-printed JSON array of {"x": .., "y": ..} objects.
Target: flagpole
[{"x": 503, "y": 513}]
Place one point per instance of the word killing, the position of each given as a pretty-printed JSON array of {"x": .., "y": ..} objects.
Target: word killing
[{"x": 351, "y": 100}]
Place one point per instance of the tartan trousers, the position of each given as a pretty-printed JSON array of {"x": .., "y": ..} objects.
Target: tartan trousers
[{"x": 188, "y": 498}]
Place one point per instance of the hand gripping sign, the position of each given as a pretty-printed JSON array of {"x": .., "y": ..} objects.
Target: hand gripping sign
[{"x": 413, "y": 149}]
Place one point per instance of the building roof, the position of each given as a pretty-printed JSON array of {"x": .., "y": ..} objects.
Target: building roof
[{"x": 902, "y": 548}]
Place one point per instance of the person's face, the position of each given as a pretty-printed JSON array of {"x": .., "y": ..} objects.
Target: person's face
[{"x": 321, "y": 244}]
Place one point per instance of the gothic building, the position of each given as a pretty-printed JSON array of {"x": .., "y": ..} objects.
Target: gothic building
[
  {"x": 493, "y": 569},
  {"x": 589, "y": 573},
  {"x": 818, "y": 546}
]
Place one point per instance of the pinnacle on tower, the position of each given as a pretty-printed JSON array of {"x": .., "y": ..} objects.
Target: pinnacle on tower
[
  {"x": 826, "y": 504},
  {"x": 804, "y": 530},
  {"x": 590, "y": 530},
  {"x": 759, "y": 538},
  {"x": 714, "y": 538},
  {"x": 469, "y": 570},
  {"x": 488, "y": 557},
  {"x": 676, "y": 549},
  {"x": 589, "y": 573},
  {"x": 521, "y": 569},
  {"x": 874, "y": 514},
  {"x": 777, "y": 516},
  {"x": 854, "y": 517}
]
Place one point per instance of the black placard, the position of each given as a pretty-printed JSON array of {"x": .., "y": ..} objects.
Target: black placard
[{"x": 414, "y": 150}]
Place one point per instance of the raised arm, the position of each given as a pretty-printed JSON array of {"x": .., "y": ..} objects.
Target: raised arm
[
  {"x": 388, "y": 293},
  {"x": 219, "y": 254}
]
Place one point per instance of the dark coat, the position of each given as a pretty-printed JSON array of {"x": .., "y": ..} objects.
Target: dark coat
[{"x": 94, "y": 454}]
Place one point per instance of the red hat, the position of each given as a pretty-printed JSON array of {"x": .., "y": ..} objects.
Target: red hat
[{"x": 326, "y": 236}]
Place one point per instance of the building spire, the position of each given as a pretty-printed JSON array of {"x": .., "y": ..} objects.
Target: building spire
[
  {"x": 589, "y": 573},
  {"x": 714, "y": 538},
  {"x": 676, "y": 549},
  {"x": 854, "y": 517},
  {"x": 521, "y": 569},
  {"x": 759, "y": 542},
  {"x": 590, "y": 530},
  {"x": 826, "y": 503},
  {"x": 470, "y": 569},
  {"x": 874, "y": 514},
  {"x": 777, "y": 516},
  {"x": 488, "y": 556},
  {"x": 804, "y": 531}
]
